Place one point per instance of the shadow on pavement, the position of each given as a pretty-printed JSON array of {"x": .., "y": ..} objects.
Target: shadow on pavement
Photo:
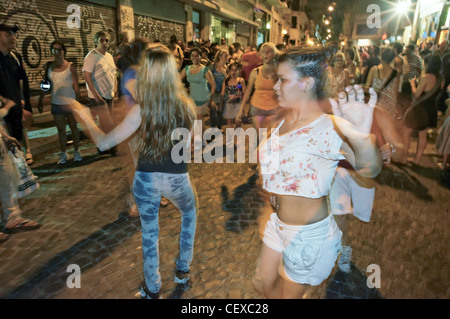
[
  {"x": 350, "y": 286},
  {"x": 402, "y": 179},
  {"x": 240, "y": 216},
  {"x": 53, "y": 168},
  {"x": 51, "y": 278}
]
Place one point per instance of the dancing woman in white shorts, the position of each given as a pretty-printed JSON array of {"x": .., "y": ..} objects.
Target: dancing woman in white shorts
[{"x": 298, "y": 163}]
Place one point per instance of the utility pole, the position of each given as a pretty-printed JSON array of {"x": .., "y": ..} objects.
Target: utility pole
[{"x": 415, "y": 22}]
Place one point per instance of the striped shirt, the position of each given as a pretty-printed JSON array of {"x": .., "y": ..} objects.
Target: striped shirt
[{"x": 412, "y": 67}]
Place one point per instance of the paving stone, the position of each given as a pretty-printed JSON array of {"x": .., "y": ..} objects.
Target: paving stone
[{"x": 83, "y": 212}]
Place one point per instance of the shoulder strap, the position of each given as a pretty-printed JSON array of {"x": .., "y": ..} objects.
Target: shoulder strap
[
  {"x": 46, "y": 68},
  {"x": 15, "y": 57},
  {"x": 389, "y": 79},
  {"x": 430, "y": 93}
]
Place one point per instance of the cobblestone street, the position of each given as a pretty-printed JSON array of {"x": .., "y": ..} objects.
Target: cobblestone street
[{"x": 82, "y": 209}]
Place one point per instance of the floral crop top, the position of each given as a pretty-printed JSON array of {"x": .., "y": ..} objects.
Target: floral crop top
[{"x": 302, "y": 162}]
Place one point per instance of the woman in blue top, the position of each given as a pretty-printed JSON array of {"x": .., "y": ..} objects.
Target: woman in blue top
[
  {"x": 128, "y": 89},
  {"x": 164, "y": 106},
  {"x": 199, "y": 77},
  {"x": 128, "y": 83}
]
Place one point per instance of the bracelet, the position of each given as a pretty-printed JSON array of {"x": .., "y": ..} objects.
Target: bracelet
[{"x": 393, "y": 149}]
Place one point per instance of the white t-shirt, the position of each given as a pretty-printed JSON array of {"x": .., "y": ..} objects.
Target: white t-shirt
[{"x": 103, "y": 71}]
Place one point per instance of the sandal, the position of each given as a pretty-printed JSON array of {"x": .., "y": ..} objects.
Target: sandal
[
  {"x": 29, "y": 159},
  {"x": 164, "y": 202},
  {"x": 3, "y": 237},
  {"x": 133, "y": 211},
  {"x": 22, "y": 225}
]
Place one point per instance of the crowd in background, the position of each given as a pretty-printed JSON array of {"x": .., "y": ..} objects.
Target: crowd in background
[{"x": 403, "y": 89}]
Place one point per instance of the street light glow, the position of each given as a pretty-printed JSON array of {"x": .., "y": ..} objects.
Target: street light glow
[
  {"x": 330, "y": 8},
  {"x": 403, "y": 6}
]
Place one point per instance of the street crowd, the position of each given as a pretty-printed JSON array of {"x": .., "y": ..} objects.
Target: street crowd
[{"x": 335, "y": 116}]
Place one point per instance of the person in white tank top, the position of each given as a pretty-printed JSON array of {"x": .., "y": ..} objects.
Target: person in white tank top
[{"x": 64, "y": 84}]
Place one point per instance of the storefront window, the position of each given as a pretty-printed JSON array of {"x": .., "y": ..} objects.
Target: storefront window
[
  {"x": 196, "y": 24},
  {"x": 221, "y": 29}
]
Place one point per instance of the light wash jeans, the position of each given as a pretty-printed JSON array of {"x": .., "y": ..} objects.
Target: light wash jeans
[{"x": 148, "y": 189}]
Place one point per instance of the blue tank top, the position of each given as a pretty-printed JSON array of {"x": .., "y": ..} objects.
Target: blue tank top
[
  {"x": 219, "y": 78},
  {"x": 199, "y": 90}
]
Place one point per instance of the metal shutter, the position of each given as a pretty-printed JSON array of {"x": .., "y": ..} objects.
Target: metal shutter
[
  {"x": 157, "y": 29},
  {"x": 42, "y": 22}
]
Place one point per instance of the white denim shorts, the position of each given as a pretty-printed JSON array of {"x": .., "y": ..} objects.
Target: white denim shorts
[
  {"x": 348, "y": 197},
  {"x": 309, "y": 251}
]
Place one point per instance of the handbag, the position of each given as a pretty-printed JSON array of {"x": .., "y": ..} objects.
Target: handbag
[
  {"x": 45, "y": 84},
  {"x": 27, "y": 181}
]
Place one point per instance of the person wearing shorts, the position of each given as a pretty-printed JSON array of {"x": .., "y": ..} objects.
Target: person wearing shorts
[
  {"x": 199, "y": 76},
  {"x": 263, "y": 103},
  {"x": 100, "y": 74},
  {"x": 350, "y": 192},
  {"x": 298, "y": 162},
  {"x": 64, "y": 84}
]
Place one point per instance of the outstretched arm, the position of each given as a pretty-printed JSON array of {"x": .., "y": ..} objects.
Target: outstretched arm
[{"x": 120, "y": 133}]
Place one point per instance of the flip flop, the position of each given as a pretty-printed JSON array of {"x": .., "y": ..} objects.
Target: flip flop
[
  {"x": 29, "y": 159},
  {"x": 164, "y": 202},
  {"x": 24, "y": 225},
  {"x": 133, "y": 211},
  {"x": 3, "y": 237}
]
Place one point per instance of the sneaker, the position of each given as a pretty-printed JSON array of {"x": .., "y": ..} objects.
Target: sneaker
[
  {"x": 145, "y": 294},
  {"x": 3, "y": 237},
  {"x": 344, "y": 259},
  {"x": 77, "y": 156},
  {"x": 182, "y": 277},
  {"x": 62, "y": 158}
]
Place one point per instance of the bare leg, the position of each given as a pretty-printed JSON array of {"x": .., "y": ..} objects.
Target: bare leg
[
  {"x": 75, "y": 132},
  {"x": 60, "y": 121},
  {"x": 421, "y": 145},
  {"x": 268, "y": 281},
  {"x": 407, "y": 132},
  {"x": 342, "y": 222}
]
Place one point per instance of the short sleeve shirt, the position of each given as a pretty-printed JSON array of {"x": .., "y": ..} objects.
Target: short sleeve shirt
[
  {"x": 302, "y": 162},
  {"x": 103, "y": 71}
]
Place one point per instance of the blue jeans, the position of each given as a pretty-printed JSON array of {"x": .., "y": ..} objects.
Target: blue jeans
[{"x": 148, "y": 189}]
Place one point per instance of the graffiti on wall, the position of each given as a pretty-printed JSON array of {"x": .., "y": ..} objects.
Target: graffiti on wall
[
  {"x": 155, "y": 29},
  {"x": 42, "y": 22},
  {"x": 127, "y": 21}
]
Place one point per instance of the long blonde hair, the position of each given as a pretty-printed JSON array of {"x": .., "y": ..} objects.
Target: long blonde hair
[{"x": 165, "y": 104}]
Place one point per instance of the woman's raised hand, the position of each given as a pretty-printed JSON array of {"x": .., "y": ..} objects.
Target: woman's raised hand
[{"x": 351, "y": 107}]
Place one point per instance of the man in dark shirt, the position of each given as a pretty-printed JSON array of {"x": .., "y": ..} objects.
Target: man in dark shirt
[{"x": 11, "y": 73}]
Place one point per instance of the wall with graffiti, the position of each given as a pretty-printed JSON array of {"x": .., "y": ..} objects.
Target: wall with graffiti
[
  {"x": 155, "y": 29},
  {"x": 41, "y": 22},
  {"x": 75, "y": 23}
]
